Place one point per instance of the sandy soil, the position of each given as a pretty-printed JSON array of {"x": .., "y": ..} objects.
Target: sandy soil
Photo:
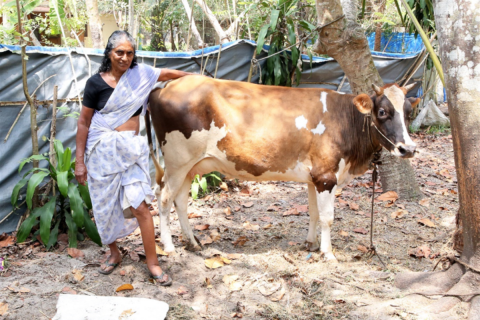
[{"x": 268, "y": 273}]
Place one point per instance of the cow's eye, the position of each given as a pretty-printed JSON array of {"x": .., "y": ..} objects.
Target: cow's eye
[{"x": 381, "y": 113}]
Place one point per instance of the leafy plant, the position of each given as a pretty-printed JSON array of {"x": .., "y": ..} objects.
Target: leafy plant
[
  {"x": 281, "y": 30},
  {"x": 67, "y": 203},
  {"x": 200, "y": 186}
]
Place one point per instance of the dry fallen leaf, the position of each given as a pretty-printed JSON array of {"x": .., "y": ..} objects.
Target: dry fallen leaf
[
  {"x": 388, "y": 196},
  {"x": 399, "y": 214},
  {"x": 206, "y": 240},
  {"x": 266, "y": 219},
  {"x": 160, "y": 251},
  {"x": 3, "y": 308},
  {"x": 6, "y": 240},
  {"x": 343, "y": 233},
  {"x": 234, "y": 256},
  {"x": 424, "y": 202},
  {"x": 427, "y": 222},
  {"x": 67, "y": 290},
  {"x": 227, "y": 211},
  {"x": 291, "y": 212},
  {"x": 215, "y": 235},
  {"x": 249, "y": 226},
  {"x": 273, "y": 207},
  {"x": 247, "y": 204},
  {"x": 338, "y": 192},
  {"x": 362, "y": 248},
  {"x": 216, "y": 262},
  {"x": 360, "y": 230},
  {"x": 292, "y": 243},
  {"x": 134, "y": 256},
  {"x": 194, "y": 215},
  {"x": 77, "y": 275},
  {"x": 268, "y": 288},
  {"x": 421, "y": 252},
  {"x": 123, "y": 287},
  {"x": 223, "y": 186},
  {"x": 182, "y": 291},
  {"x": 278, "y": 296},
  {"x": 202, "y": 227},
  {"x": 19, "y": 290},
  {"x": 240, "y": 241},
  {"x": 267, "y": 226},
  {"x": 208, "y": 283},
  {"x": 301, "y": 208},
  {"x": 354, "y": 206},
  {"x": 246, "y": 191},
  {"x": 75, "y": 253},
  {"x": 232, "y": 282}
]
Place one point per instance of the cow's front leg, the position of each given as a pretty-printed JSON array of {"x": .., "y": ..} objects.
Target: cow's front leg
[
  {"x": 312, "y": 239},
  {"x": 325, "y": 200},
  {"x": 325, "y": 183}
]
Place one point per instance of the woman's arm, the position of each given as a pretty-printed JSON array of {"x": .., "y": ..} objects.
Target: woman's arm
[
  {"x": 170, "y": 74},
  {"x": 83, "y": 124}
]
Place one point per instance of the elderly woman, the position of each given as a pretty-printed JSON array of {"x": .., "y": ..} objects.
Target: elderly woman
[{"x": 112, "y": 155}]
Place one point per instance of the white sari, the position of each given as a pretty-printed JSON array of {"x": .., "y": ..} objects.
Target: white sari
[{"x": 117, "y": 162}]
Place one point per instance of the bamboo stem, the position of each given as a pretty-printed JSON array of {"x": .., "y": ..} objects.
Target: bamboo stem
[
  {"x": 218, "y": 60},
  {"x": 429, "y": 47},
  {"x": 399, "y": 12}
]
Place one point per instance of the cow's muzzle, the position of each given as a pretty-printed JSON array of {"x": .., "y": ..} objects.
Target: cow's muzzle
[{"x": 404, "y": 151}]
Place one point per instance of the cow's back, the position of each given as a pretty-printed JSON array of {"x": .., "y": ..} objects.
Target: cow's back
[{"x": 259, "y": 129}]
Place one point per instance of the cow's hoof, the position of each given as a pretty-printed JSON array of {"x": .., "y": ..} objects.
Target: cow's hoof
[
  {"x": 329, "y": 257},
  {"x": 170, "y": 249},
  {"x": 312, "y": 246},
  {"x": 193, "y": 247}
]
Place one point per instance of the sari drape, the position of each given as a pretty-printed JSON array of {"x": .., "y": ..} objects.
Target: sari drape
[{"x": 117, "y": 162}]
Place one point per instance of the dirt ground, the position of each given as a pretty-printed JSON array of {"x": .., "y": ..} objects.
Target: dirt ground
[{"x": 260, "y": 229}]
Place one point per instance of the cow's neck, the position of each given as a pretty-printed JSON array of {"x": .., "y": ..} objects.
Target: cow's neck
[{"x": 364, "y": 142}]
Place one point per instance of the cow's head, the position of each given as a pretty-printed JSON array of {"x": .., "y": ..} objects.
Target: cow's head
[{"x": 390, "y": 111}]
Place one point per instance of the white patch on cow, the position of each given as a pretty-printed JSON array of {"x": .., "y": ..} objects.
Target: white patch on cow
[
  {"x": 301, "y": 122},
  {"x": 340, "y": 92},
  {"x": 397, "y": 98},
  {"x": 325, "y": 203},
  {"x": 319, "y": 129},
  {"x": 323, "y": 99}
]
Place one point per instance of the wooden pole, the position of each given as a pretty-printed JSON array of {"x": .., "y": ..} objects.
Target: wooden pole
[
  {"x": 251, "y": 67},
  {"x": 53, "y": 132},
  {"x": 33, "y": 109}
]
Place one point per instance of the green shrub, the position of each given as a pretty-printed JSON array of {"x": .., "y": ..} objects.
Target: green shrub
[
  {"x": 208, "y": 181},
  {"x": 67, "y": 206}
]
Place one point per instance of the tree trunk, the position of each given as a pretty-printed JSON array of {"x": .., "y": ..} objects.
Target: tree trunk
[
  {"x": 193, "y": 26},
  {"x": 458, "y": 31},
  {"x": 378, "y": 30},
  {"x": 172, "y": 37},
  {"x": 345, "y": 41},
  {"x": 224, "y": 36},
  {"x": 94, "y": 23},
  {"x": 131, "y": 18}
]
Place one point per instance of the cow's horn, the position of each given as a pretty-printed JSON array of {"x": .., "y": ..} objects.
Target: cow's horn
[
  {"x": 377, "y": 89},
  {"x": 410, "y": 86}
]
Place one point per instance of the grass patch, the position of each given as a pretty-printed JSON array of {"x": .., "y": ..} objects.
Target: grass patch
[{"x": 437, "y": 130}]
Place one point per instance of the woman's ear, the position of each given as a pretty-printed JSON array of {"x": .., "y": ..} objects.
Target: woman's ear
[{"x": 363, "y": 103}]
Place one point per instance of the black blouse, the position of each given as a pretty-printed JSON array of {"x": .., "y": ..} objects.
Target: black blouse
[{"x": 97, "y": 92}]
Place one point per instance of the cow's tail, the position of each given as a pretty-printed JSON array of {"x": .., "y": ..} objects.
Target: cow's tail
[{"x": 158, "y": 168}]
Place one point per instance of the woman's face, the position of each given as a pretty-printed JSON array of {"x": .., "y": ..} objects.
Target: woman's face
[{"x": 122, "y": 56}]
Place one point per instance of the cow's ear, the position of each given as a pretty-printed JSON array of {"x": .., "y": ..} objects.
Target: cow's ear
[
  {"x": 414, "y": 101},
  {"x": 363, "y": 103}
]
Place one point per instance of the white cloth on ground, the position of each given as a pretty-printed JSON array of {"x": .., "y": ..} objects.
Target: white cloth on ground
[{"x": 117, "y": 162}]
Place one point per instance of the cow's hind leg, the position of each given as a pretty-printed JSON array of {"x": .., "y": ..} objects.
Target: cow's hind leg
[
  {"x": 312, "y": 239},
  {"x": 181, "y": 203},
  {"x": 165, "y": 197},
  {"x": 325, "y": 202}
]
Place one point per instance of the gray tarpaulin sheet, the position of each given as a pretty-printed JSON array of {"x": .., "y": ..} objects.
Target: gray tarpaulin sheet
[{"x": 46, "y": 61}]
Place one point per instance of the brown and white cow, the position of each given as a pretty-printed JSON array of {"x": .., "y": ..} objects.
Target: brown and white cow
[{"x": 254, "y": 132}]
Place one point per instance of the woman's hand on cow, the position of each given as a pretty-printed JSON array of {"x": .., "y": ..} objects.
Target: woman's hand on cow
[{"x": 81, "y": 173}]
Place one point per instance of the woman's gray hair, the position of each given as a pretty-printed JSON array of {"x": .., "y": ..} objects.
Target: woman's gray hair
[{"x": 113, "y": 41}]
